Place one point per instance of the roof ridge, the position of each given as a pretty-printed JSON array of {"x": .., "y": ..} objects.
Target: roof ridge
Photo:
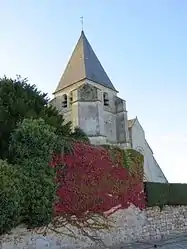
[{"x": 83, "y": 40}]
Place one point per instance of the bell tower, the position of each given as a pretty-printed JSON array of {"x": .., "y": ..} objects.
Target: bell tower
[{"x": 86, "y": 96}]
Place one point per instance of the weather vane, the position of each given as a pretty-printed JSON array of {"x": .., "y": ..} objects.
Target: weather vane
[{"x": 82, "y": 22}]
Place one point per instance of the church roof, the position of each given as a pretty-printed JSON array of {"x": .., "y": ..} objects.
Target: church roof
[
  {"x": 131, "y": 122},
  {"x": 84, "y": 64}
]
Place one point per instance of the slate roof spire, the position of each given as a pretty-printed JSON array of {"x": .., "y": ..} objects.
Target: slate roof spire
[{"x": 84, "y": 64}]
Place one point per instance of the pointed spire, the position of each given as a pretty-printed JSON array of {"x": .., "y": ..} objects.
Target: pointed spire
[{"x": 84, "y": 64}]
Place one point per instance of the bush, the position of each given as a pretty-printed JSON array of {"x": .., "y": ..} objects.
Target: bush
[
  {"x": 11, "y": 196},
  {"x": 161, "y": 194},
  {"x": 32, "y": 145},
  {"x": 33, "y": 138},
  {"x": 40, "y": 192}
]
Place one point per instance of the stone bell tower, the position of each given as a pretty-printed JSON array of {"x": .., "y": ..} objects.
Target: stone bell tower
[{"x": 86, "y": 97}]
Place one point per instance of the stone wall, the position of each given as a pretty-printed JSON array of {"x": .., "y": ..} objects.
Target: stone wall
[
  {"x": 152, "y": 171},
  {"x": 131, "y": 225}
]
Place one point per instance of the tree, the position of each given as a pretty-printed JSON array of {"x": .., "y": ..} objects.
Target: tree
[{"x": 19, "y": 100}]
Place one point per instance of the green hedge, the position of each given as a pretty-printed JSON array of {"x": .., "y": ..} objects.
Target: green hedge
[{"x": 161, "y": 194}]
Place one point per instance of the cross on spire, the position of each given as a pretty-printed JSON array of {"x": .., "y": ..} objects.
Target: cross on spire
[{"x": 82, "y": 22}]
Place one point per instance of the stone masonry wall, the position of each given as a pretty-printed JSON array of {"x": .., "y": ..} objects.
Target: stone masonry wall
[{"x": 130, "y": 225}]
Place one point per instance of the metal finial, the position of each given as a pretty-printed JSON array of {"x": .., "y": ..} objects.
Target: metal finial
[{"x": 82, "y": 22}]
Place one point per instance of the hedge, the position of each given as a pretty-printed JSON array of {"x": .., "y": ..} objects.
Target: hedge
[{"x": 161, "y": 194}]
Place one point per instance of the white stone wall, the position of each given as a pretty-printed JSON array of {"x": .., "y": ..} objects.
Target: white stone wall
[
  {"x": 88, "y": 118},
  {"x": 152, "y": 170},
  {"x": 110, "y": 126},
  {"x": 80, "y": 116},
  {"x": 130, "y": 225}
]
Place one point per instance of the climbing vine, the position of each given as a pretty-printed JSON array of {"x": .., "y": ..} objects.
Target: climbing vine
[
  {"x": 97, "y": 180},
  {"x": 128, "y": 158}
]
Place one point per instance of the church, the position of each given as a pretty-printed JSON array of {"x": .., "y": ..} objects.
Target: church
[{"x": 86, "y": 96}]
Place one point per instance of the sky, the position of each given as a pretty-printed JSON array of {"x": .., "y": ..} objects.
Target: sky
[{"x": 142, "y": 44}]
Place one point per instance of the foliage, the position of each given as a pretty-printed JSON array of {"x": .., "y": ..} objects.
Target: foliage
[
  {"x": 32, "y": 145},
  {"x": 33, "y": 138},
  {"x": 88, "y": 181},
  {"x": 19, "y": 100},
  {"x": 135, "y": 161},
  {"x": 80, "y": 135},
  {"x": 128, "y": 158},
  {"x": 161, "y": 194},
  {"x": 52, "y": 117},
  {"x": 11, "y": 196},
  {"x": 93, "y": 183}
]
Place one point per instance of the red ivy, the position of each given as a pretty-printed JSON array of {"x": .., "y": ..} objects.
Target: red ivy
[{"x": 92, "y": 182}]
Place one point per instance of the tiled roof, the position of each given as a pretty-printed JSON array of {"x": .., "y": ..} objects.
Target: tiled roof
[{"x": 84, "y": 64}]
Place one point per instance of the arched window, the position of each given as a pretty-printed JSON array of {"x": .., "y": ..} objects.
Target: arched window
[
  {"x": 64, "y": 101},
  {"x": 105, "y": 99}
]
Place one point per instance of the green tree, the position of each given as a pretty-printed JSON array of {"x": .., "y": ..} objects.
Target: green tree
[{"x": 19, "y": 100}]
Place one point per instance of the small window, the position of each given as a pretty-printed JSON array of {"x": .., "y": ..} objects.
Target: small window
[
  {"x": 70, "y": 97},
  {"x": 105, "y": 99},
  {"x": 64, "y": 101}
]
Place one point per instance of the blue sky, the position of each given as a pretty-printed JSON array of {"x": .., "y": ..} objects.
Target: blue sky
[{"x": 142, "y": 45}]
